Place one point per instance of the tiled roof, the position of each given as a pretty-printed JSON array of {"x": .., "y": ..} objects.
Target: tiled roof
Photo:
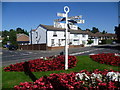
[
  {"x": 33, "y": 29},
  {"x": 49, "y": 27},
  {"x": 18, "y": 35},
  {"x": 98, "y": 34},
  {"x": 22, "y": 37},
  {"x": 90, "y": 34},
  {"x": 77, "y": 31},
  {"x": 105, "y": 35}
]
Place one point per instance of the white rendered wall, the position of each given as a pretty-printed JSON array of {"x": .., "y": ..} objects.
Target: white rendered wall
[
  {"x": 60, "y": 36},
  {"x": 38, "y": 36},
  {"x": 78, "y": 39},
  {"x": 95, "y": 41}
]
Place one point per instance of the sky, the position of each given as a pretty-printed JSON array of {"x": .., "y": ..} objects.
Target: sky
[{"x": 28, "y": 15}]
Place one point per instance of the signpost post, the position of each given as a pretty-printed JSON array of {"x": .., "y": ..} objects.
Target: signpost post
[
  {"x": 66, "y": 10},
  {"x": 67, "y": 19},
  {"x": 65, "y": 15}
]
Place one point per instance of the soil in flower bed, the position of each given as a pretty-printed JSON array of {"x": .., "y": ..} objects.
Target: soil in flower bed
[
  {"x": 83, "y": 80},
  {"x": 107, "y": 58},
  {"x": 47, "y": 64}
]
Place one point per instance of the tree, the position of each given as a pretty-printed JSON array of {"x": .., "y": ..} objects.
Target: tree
[
  {"x": 19, "y": 30},
  {"x": 5, "y": 40},
  {"x": 5, "y": 33},
  {"x": 95, "y": 30},
  {"x": 88, "y": 30},
  {"x": 117, "y": 32},
  {"x": 104, "y": 32},
  {"x": 25, "y": 32},
  {"x": 13, "y": 37}
]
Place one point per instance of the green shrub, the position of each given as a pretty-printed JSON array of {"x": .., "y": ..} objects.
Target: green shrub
[
  {"x": 90, "y": 41},
  {"x": 106, "y": 41}
]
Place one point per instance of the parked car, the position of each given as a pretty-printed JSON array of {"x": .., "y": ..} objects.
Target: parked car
[{"x": 12, "y": 47}]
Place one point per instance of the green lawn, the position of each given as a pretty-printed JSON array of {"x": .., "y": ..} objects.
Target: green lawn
[{"x": 10, "y": 79}]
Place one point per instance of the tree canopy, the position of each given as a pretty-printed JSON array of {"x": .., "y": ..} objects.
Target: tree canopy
[
  {"x": 117, "y": 32},
  {"x": 95, "y": 30}
]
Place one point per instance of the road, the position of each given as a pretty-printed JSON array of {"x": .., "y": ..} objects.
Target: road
[{"x": 11, "y": 57}]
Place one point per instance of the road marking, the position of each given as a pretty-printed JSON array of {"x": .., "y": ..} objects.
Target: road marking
[{"x": 84, "y": 52}]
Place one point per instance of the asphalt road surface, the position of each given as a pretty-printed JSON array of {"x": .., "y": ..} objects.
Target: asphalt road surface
[{"x": 11, "y": 57}]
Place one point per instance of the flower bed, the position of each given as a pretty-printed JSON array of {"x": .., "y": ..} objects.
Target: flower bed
[
  {"x": 109, "y": 58},
  {"x": 83, "y": 80},
  {"x": 47, "y": 64}
]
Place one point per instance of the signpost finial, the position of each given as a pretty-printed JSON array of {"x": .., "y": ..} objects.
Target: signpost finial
[{"x": 66, "y": 9}]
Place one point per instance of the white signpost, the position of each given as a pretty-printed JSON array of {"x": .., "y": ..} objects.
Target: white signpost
[
  {"x": 61, "y": 14},
  {"x": 66, "y": 18},
  {"x": 66, "y": 10},
  {"x": 80, "y": 21}
]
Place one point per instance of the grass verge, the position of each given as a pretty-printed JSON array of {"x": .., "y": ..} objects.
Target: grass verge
[{"x": 10, "y": 79}]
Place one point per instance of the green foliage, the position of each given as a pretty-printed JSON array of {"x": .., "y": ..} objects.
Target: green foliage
[
  {"x": 117, "y": 32},
  {"x": 106, "y": 41},
  {"x": 104, "y": 32},
  {"x": 5, "y": 33},
  {"x": 88, "y": 30},
  {"x": 94, "y": 30},
  {"x": 90, "y": 41},
  {"x": 10, "y": 79},
  {"x": 5, "y": 40},
  {"x": 11, "y": 35}
]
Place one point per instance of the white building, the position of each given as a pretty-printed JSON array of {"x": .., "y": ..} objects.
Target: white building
[{"x": 54, "y": 36}]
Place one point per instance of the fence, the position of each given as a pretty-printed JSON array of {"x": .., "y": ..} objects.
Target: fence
[{"x": 33, "y": 47}]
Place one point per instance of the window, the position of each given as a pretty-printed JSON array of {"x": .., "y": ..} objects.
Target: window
[
  {"x": 52, "y": 42},
  {"x": 76, "y": 39},
  {"x": 64, "y": 34},
  {"x": 75, "y": 35},
  {"x": 36, "y": 34},
  {"x": 54, "y": 34},
  {"x": 59, "y": 42},
  {"x": 83, "y": 35}
]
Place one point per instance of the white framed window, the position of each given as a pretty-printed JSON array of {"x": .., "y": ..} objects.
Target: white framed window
[
  {"x": 59, "y": 42},
  {"x": 52, "y": 42},
  {"x": 83, "y": 35},
  {"x": 54, "y": 34},
  {"x": 75, "y": 35}
]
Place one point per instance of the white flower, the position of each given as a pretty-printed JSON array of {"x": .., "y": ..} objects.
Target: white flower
[
  {"x": 78, "y": 76},
  {"x": 116, "y": 54},
  {"x": 81, "y": 76},
  {"x": 113, "y": 76}
]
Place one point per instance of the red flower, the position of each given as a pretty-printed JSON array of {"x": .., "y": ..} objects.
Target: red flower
[{"x": 108, "y": 58}]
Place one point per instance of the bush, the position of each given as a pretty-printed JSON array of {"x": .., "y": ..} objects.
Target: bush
[
  {"x": 90, "y": 41},
  {"x": 106, "y": 41}
]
